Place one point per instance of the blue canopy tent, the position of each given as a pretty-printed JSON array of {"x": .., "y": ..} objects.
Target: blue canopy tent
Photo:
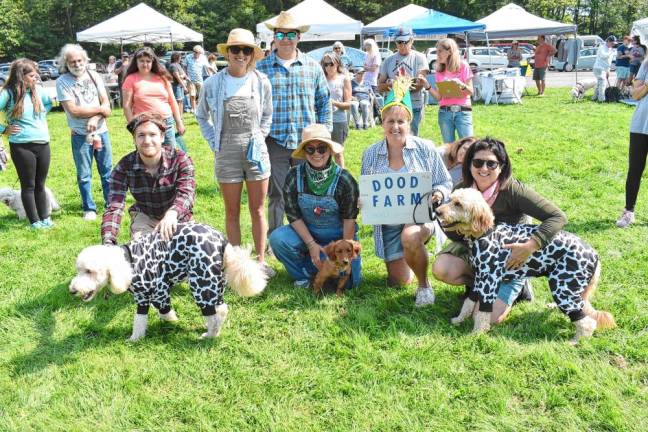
[{"x": 435, "y": 22}]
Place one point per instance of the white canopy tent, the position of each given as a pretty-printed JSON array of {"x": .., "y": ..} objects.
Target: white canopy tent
[
  {"x": 139, "y": 24},
  {"x": 394, "y": 19},
  {"x": 513, "y": 22},
  {"x": 326, "y": 22},
  {"x": 640, "y": 28}
]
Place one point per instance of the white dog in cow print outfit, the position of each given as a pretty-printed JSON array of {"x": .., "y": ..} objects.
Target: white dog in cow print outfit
[
  {"x": 572, "y": 266},
  {"x": 149, "y": 267}
]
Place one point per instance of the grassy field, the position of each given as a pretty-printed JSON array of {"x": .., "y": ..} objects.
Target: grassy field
[{"x": 369, "y": 361}]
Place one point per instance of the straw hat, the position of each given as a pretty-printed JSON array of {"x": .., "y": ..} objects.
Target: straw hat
[
  {"x": 240, "y": 37},
  {"x": 316, "y": 132},
  {"x": 286, "y": 21}
]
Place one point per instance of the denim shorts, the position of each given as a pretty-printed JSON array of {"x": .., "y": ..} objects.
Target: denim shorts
[
  {"x": 622, "y": 72},
  {"x": 509, "y": 290},
  {"x": 178, "y": 92},
  {"x": 392, "y": 240}
]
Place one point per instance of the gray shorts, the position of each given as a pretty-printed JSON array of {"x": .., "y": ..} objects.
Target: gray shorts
[
  {"x": 231, "y": 164},
  {"x": 392, "y": 240},
  {"x": 340, "y": 132},
  {"x": 539, "y": 74}
]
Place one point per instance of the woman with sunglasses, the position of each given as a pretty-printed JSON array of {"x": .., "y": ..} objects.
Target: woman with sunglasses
[
  {"x": 455, "y": 113},
  {"x": 321, "y": 203},
  {"x": 25, "y": 105},
  {"x": 147, "y": 88},
  {"x": 234, "y": 114},
  {"x": 487, "y": 168},
  {"x": 339, "y": 86}
]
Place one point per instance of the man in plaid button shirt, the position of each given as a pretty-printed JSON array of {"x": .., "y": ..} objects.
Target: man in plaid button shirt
[
  {"x": 160, "y": 178},
  {"x": 300, "y": 97}
]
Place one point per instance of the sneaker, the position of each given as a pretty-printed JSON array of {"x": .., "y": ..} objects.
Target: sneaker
[
  {"x": 269, "y": 271},
  {"x": 358, "y": 127},
  {"x": 47, "y": 223},
  {"x": 38, "y": 225},
  {"x": 526, "y": 294},
  {"x": 89, "y": 215},
  {"x": 424, "y": 297},
  {"x": 302, "y": 283},
  {"x": 627, "y": 218}
]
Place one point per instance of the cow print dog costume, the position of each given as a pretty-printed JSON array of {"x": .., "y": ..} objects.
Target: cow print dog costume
[
  {"x": 149, "y": 267},
  {"x": 571, "y": 265}
]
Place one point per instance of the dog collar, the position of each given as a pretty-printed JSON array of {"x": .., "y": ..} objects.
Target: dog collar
[{"x": 127, "y": 253}]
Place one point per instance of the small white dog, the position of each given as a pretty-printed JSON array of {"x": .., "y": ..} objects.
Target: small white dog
[
  {"x": 580, "y": 88},
  {"x": 149, "y": 267},
  {"x": 11, "y": 198}
]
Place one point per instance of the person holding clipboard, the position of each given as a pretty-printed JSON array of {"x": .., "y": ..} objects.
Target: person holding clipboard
[{"x": 454, "y": 88}]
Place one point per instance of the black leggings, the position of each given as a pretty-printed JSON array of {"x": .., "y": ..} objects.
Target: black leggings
[
  {"x": 636, "y": 164},
  {"x": 32, "y": 164}
]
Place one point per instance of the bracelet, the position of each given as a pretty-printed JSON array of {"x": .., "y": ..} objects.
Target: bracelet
[
  {"x": 308, "y": 245},
  {"x": 428, "y": 87}
]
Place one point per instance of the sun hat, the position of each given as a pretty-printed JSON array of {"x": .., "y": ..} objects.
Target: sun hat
[
  {"x": 286, "y": 21},
  {"x": 240, "y": 37},
  {"x": 316, "y": 132},
  {"x": 403, "y": 34}
]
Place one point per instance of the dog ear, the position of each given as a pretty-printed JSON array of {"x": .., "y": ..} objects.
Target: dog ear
[
  {"x": 482, "y": 220},
  {"x": 357, "y": 247},
  {"x": 329, "y": 250},
  {"x": 119, "y": 270}
]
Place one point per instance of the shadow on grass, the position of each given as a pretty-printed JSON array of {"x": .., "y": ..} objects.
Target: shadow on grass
[
  {"x": 580, "y": 227},
  {"x": 92, "y": 334}
]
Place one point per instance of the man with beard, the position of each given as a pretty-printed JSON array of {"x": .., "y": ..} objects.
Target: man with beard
[{"x": 83, "y": 96}]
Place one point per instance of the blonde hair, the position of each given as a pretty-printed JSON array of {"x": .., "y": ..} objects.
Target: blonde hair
[
  {"x": 453, "y": 61},
  {"x": 373, "y": 47}
]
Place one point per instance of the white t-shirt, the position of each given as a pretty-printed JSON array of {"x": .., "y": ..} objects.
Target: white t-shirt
[{"x": 235, "y": 86}]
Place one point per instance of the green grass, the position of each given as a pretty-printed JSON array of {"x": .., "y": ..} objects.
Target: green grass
[{"x": 368, "y": 361}]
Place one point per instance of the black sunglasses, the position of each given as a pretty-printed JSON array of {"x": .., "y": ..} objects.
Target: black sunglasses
[
  {"x": 490, "y": 164},
  {"x": 402, "y": 42},
  {"x": 321, "y": 149},
  {"x": 237, "y": 49},
  {"x": 291, "y": 35},
  {"x": 327, "y": 64}
]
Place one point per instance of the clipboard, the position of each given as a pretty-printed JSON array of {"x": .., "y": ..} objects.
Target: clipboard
[{"x": 449, "y": 89}]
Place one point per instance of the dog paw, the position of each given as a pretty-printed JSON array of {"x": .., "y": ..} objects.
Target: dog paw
[
  {"x": 169, "y": 316},
  {"x": 482, "y": 322},
  {"x": 551, "y": 306},
  {"x": 457, "y": 320},
  {"x": 135, "y": 338},
  {"x": 208, "y": 335}
]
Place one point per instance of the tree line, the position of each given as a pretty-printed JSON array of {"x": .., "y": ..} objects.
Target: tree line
[{"x": 38, "y": 28}]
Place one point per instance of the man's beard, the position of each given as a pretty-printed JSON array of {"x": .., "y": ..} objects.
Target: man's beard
[{"x": 77, "y": 72}]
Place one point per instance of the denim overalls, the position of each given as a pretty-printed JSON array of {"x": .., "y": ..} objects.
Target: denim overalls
[{"x": 321, "y": 215}]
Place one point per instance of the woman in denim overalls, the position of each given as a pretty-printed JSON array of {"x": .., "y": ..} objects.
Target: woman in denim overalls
[{"x": 321, "y": 202}]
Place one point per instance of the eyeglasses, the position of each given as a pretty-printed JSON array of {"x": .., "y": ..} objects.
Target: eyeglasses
[
  {"x": 337, "y": 48},
  {"x": 321, "y": 149},
  {"x": 402, "y": 42},
  {"x": 327, "y": 64},
  {"x": 237, "y": 49},
  {"x": 291, "y": 35},
  {"x": 490, "y": 164}
]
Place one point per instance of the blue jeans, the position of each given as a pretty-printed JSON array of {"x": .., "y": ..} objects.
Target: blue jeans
[
  {"x": 449, "y": 122},
  {"x": 416, "y": 120},
  {"x": 82, "y": 152},
  {"x": 169, "y": 135},
  {"x": 292, "y": 252}
]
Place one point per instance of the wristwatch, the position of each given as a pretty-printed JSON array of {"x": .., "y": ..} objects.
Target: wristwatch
[{"x": 428, "y": 87}]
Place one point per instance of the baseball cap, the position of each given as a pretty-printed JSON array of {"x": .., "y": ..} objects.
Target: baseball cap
[
  {"x": 611, "y": 38},
  {"x": 403, "y": 34},
  {"x": 358, "y": 70}
]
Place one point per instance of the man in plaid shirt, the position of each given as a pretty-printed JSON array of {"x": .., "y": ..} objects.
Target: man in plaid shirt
[
  {"x": 300, "y": 97},
  {"x": 160, "y": 178}
]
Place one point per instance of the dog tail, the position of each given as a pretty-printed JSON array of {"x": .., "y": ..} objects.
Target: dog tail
[
  {"x": 244, "y": 274},
  {"x": 55, "y": 205}
]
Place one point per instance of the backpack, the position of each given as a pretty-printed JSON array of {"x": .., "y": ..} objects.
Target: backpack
[{"x": 613, "y": 94}]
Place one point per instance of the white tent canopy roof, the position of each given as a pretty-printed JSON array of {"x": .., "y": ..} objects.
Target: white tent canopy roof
[
  {"x": 394, "y": 19},
  {"x": 139, "y": 24},
  {"x": 640, "y": 28},
  {"x": 513, "y": 22},
  {"x": 326, "y": 22}
]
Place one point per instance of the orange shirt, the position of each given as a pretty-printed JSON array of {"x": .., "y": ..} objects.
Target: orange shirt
[
  {"x": 151, "y": 94},
  {"x": 542, "y": 54}
]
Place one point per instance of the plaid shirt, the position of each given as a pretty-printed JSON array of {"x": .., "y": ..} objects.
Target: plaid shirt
[
  {"x": 173, "y": 187},
  {"x": 300, "y": 97},
  {"x": 420, "y": 156}
]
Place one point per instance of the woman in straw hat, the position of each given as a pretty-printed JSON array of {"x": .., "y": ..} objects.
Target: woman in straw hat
[
  {"x": 403, "y": 246},
  {"x": 321, "y": 203},
  {"x": 234, "y": 114}
]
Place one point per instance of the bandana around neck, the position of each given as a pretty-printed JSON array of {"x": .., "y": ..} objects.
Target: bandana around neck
[
  {"x": 490, "y": 194},
  {"x": 320, "y": 180}
]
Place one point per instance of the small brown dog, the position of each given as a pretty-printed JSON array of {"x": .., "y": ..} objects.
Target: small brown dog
[{"x": 338, "y": 265}]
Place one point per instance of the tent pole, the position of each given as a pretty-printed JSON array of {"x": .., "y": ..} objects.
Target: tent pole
[{"x": 577, "y": 55}]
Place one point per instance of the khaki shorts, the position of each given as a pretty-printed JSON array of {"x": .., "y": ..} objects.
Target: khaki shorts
[
  {"x": 457, "y": 249},
  {"x": 197, "y": 89},
  {"x": 141, "y": 223},
  {"x": 231, "y": 164},
  {"x": 192, "y": 89}
]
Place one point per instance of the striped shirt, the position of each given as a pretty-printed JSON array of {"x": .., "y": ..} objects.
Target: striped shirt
[
  {"x": 419, "y": 156},
  {"x": 172, "y": 187},
  {"x": 300, "y": 97}
]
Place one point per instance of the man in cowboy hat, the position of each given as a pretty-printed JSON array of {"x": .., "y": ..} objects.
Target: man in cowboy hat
[{"x": 300, "y": 97}]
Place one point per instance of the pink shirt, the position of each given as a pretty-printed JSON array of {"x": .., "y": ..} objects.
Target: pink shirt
[
  {"x": 464, "y": 74},
  {"x": 152, "y": 94}
]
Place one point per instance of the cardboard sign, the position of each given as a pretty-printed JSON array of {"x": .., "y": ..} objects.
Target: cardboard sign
[
  {"x": 390, "y": 199},
  {"x": 449, "y": 89}
]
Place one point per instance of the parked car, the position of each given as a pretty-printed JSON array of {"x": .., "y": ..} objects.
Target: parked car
[
  {"x": 355, "y": 55},
  {"x": 47, "y": 71},
  {"x": 430, "y": 55},
  {"x": 50, "y": 62},
  {"x": 505, "y": 46},
  {"x": 586, "y": 61},
  {"x": 485, "y": 58}
]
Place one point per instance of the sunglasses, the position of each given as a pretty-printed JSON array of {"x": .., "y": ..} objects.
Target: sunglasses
[
  {"x": 321, "y": 149},
  {"x": 237, "y": 49},
  {"x": 402, "y": 42},
  {"x": 490, "y": 164},
  {"x": 291, "y": 35},
  {"x": 327, "y": 64}
]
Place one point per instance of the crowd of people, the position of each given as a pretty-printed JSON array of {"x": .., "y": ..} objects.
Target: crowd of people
[{"x": 277, "y": 122}]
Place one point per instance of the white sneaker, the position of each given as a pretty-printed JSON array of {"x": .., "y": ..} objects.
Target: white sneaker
[
  {"x": 424, "y": 297},
  {"x": 627, "y": 218},
  {"x": 89, "y": 216}
]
